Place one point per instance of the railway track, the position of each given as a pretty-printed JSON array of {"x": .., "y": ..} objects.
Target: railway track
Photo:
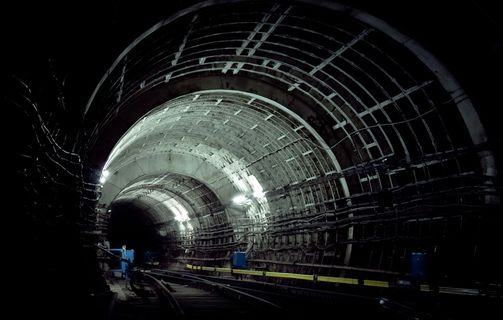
[
  {"x": 182, "y": 295},
  {"x": 168, "y": 294}
]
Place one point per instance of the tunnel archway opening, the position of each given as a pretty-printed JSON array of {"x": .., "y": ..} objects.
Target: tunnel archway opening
[
  {"x": 161, "y": 216},
  {"x": 130, "y": 225}
]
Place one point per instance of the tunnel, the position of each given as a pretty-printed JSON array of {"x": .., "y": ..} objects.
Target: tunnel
[
  {"x": 314, "y": 136},
  {"x": 349, "y": 143}
]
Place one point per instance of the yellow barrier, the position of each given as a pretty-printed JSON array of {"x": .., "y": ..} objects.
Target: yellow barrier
[
  {"x": 425, "y": 287},
  {"x": 249, "y": 272},
  {"x": 375, "y": 283},
  {"x": 290, "y": 275},
  {"x": 309, "y": 277},
  {"x": 337, "y": 280},
  {"x": 208, "y": 268},
  {"x": 299, "y": 276}
]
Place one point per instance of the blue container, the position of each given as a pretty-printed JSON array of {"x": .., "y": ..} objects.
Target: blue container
[
  {"x": 418, "y": 265},
  {"x": 239, "y": 260}
]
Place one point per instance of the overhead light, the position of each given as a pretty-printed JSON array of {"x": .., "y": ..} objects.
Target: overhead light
[
  {"x": 258, "y": 191},
  {"x": 102, "y": 179},
  {"x": 259, "y": 194},
  {"x": 180, "y": 213},
  {"x": 240, "y": 199}
]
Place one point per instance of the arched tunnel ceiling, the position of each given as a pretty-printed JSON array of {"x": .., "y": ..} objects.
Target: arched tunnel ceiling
[
  {"x": 212, "y": 126},
  {"x": 311, "y": 112}
]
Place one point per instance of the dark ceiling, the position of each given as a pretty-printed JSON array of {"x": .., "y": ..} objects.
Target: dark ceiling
[{"x": 77, "y": 42}]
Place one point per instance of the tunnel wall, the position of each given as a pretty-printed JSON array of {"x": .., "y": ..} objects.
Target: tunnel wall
[{"x": 408, "y": 140}]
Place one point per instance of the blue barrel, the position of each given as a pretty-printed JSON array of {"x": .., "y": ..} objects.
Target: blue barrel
[
  {"x": 239, "y": 260},
  {"x": 418, "y": 265}
]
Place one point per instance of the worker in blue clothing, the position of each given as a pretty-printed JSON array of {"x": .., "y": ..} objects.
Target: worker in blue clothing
[{"x": 124, "y": 262}]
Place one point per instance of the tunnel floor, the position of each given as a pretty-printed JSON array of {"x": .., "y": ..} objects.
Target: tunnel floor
[{"x": 297, "y": 303}]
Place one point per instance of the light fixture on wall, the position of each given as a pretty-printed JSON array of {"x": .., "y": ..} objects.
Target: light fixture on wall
[
  {"x": 104, "y": 175},
  {"x": 241, "y": 199}
]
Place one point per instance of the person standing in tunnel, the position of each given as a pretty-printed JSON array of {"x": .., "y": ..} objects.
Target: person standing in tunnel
[{"x": 124, "y": 262}]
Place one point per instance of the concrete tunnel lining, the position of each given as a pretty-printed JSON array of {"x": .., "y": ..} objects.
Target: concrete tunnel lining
[
  {"x": 378, "y": 117},
  {"x": 148, "y": 131},
  {"x": 466, "y": 109}
]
